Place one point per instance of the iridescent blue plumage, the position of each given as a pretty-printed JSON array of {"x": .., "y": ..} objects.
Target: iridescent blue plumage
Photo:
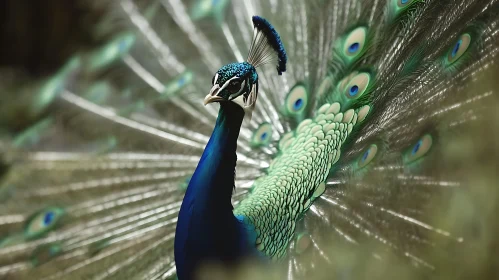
[
  {"x": 237, "y": 69},
  {"x": 207, "y": 229}
]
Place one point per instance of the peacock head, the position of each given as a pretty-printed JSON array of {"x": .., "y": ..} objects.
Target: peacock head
[
  {"x": 238, "y": 82},
  {"x": 235, "y": 82}
]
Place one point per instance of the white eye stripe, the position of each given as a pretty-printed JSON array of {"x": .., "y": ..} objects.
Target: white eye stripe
[
  {"x": 242, "y": 87},
  {"x": 253, "y": 95},
  {"x": 215, "y": 79}
]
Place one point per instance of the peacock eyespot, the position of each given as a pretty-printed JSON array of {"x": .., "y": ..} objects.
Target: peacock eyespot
[
  {"x": 368, "y": 156},
  {"x": 364, "y": 157},
  {"x": 181, "y": 81},
  {"x": 298, "y": 104},
  {"x": 49, "y": 218},
  {"x": 353, "y": 48},
  {"x": 419, "y": 149},
  {"x": 456, "y": 48},
  {"x": 122, "y": 46},
  {"x": 353, "y": 90},
  {"x": 354, "y": 42},
  {"x": 42, "y": 222},
  {"x": 296, "y": 100},
  {"x": 416, "y": 147},
  {"x": 402, "y": 3},
  {"x": 357, "y": 86},
  {"x": 262, "y": 135},
  {"x": 459, "y": 48}
]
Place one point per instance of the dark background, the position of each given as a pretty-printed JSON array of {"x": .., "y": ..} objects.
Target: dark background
[{"x": 38, "y": 36}]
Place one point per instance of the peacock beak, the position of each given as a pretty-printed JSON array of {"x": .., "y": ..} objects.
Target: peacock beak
[{"x": 212, "y": 96}]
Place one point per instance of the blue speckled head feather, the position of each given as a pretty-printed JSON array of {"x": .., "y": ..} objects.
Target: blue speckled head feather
[
  {"x": 242, "y": 70},
  {"x": 267, "y": 46},
  {"x": 234, "y": 80}
]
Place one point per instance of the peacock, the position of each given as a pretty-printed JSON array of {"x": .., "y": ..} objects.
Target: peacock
[{"x": 171, "y": 149}]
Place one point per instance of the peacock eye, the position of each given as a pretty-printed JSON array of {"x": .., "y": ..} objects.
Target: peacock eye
[
  {"x": 459, "y": 48},
  {"x": 357, "y": 85},
  {"x": 235, "y": 86},
  {"x": 402, "y": 3},
  {"x": 262, "y": 135},
  {"x": 355, "y": 42},
  {"x": 42, "y": 222},
  {"x": 368, "y": 156},
  {"x": 296, "y": 100},
  {"x": 419, "y": 149}
]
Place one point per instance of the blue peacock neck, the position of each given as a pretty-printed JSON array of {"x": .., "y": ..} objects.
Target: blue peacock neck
[
  {"x": 219, "y": 157},
  {"x": 207, "y": 229},
  {"x": 210, "y": 188}
]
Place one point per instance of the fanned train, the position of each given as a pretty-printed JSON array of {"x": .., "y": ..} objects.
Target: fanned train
[{"x": 346, "y": 139}]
